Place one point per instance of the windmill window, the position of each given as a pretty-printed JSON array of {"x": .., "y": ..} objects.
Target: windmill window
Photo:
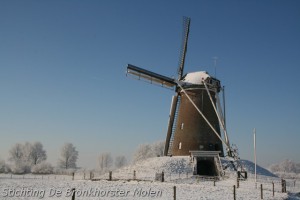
[
  {"x": 179, "y": 146},
  {"x": 181, "y": 126}
]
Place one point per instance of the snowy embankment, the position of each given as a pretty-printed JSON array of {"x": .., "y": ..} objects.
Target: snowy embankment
[{"x": 179, "y": 169}]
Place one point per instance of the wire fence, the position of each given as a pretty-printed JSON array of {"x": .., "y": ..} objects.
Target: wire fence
[
  {"x": 268, "y": 184},
  {"x": 36, "y": 176}
]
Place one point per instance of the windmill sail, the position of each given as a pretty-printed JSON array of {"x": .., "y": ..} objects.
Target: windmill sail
[
  {"x": 174, "y": 105},
  {"x": 185, "y": 37},
  {"x": 170, "y": 132},
  {"x": 149, "y": 76}
]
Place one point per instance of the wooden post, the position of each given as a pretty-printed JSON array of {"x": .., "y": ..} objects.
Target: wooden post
[
  {"x": 110, "y": 176},
  {"x": 162, "y": 176},
  {"x": 214, "y": 183},
  {"x": 234, "y": 198},
  {"x": 134, "y": 174},
  {"x": 261, "y": 192},
  {"x": 283, "y": 185},
  {"x": 237, "y": 182},
  {"x": 174, "y": 190},
  {"x": 73, "y": 191},
  {"x": 273, "y": 189}
]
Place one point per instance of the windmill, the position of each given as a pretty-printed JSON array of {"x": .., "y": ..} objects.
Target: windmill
[{"x": 196, "y": 115}]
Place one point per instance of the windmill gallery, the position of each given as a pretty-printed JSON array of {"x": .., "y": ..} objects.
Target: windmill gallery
[{"x": 196, "y": 125}]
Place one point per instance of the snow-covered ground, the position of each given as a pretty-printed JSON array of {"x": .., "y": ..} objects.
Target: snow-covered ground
[{"x": 177, "y": 171}]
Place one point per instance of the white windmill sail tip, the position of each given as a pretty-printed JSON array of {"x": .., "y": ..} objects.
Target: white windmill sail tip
[{"x": 195, "y": 78}]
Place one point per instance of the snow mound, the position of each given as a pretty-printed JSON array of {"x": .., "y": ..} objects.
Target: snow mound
[
  {"x": 146, "y": 169},
  {"x": 177, "y": 166},
  {"x": 249, "y": 167}
]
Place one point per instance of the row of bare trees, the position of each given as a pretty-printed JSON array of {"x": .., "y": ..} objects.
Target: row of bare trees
[
  {"x": 143, "y": 151},
  {"x": 106, "y": 162},
  {"x": 31, "y": 157}
]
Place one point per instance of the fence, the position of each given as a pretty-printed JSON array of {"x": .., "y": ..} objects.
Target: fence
[
  {"x": 36, "y": 176},
  {"x": 265, "y": 186}
]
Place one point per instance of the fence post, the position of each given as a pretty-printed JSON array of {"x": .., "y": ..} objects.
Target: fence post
[
  {"x": 237, "y": 182},
  {"x": 261, "y": 192},
  {"x": 273, "y": 188},
  {"x": 214, "y": 183},
  {"x": 73, "y": 193},
  {"x": 174, "y": 194},
  {"x": 110, "y": 176},
  {"x": 234, "y": 194},
  {"x": 134, "y": 174},
  {"x": 283, "y": 185}
]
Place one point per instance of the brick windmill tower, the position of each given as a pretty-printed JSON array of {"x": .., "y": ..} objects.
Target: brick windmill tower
[{"x": 196, "y": 116}]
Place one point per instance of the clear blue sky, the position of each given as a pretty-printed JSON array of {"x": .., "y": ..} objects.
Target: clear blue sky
[{"x": 62, "y": 72}]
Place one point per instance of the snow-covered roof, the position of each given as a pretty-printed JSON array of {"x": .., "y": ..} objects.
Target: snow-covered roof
[{"x": 195, "y": 77}]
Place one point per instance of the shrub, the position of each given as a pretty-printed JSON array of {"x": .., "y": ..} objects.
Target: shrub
[{"x": 42, "y": 168}]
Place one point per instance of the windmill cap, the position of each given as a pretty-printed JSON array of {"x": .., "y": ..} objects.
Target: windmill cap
[{"x": 195, "y": 77}]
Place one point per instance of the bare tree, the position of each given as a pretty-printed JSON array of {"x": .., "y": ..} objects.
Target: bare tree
[
  {"x": 69, "y": 156},
  {"x": 287, "y": 165},
  {"x": 142, "y": 152},
  {"x": 120, "y": 161},
  {"x": 2, "y": 166},
  {"x": 24, "y": 156},
  {"x": 105, "y": 161},
  {"x": 158, "y": 148},
  {"x": 16, "y": 153},
  {"x": 38, "y": 154},
  {"x": 27, "y": 153},
  {"x": 145, "y": 151}
]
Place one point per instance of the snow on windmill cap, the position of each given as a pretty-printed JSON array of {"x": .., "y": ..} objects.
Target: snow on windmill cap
[{"x": 195, "y": 77}]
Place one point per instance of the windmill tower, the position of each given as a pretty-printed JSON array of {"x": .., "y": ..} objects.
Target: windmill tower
[{"x": 196, "y": 116}]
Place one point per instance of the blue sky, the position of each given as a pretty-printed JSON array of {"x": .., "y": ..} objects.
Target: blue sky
[{"x": 62, "y": 72}]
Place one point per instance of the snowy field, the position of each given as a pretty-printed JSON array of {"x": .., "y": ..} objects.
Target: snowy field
[{"x": 187, "y": 186}]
